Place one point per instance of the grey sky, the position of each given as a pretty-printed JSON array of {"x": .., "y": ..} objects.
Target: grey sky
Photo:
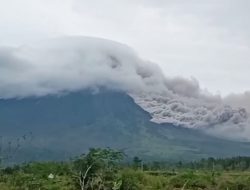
[{"x": 208, "y": 39}]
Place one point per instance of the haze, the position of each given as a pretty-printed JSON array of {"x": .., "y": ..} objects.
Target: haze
[{"x": 208, "y": 40}]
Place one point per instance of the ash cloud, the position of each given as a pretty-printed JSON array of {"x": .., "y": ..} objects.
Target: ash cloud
[
  {"x": 239, "y": 100},
  {"x": 74, "y": 63}
]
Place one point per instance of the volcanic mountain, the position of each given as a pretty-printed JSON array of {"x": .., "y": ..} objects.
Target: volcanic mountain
[
  {"x": 58, "y": 127},
  {"x": 62, "y": 96}
]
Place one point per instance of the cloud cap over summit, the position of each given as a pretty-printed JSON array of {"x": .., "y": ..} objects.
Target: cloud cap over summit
[{"x": 74, "y": 63}]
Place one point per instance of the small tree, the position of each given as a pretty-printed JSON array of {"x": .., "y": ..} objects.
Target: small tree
[{"x": 93, "y": 169}]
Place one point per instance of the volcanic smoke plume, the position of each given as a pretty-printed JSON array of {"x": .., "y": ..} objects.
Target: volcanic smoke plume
[{"x": 70, "y": 64}]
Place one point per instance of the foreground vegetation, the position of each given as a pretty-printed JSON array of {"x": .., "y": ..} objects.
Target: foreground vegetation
[{"x": 103, "y": 169}]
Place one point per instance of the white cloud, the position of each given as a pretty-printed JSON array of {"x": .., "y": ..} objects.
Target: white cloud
[
  {"x": 74, "y": 63},
  {"x": 206, "y": 39}
]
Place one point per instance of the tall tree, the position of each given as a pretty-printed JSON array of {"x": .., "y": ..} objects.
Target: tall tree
[{"x": 91, "y": 169}]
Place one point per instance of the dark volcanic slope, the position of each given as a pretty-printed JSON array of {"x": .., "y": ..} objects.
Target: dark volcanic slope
[{"x": 57, "y": 127}]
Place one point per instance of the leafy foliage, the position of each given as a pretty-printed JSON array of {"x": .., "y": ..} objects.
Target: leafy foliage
[
  {"x": 97, "y": 169},
  {"x": 107, "y": 172}
]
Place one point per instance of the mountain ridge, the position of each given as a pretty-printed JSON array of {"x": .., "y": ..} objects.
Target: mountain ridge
[{"x": 67, "y": 125}]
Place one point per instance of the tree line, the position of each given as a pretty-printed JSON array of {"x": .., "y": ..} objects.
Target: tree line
[{"x": 108, "y": 169}]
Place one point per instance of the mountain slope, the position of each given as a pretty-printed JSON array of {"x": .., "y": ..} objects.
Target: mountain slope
[{"x": 57, "y": 127}]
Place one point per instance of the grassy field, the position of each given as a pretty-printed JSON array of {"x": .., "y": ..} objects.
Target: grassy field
[
  {"x": 103, "y": 169},
  {"x": 130, "y": 179}
]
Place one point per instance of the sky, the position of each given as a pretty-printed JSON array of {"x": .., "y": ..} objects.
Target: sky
[{"x": 208, "y": 40}]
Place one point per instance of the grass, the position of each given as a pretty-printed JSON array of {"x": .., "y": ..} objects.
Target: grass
[{"x": 35, "y": 176}]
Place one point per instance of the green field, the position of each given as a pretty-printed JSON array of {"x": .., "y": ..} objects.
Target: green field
[
  {"x": 103, "y": 169},
  {"x": 131, "y": 180}
]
